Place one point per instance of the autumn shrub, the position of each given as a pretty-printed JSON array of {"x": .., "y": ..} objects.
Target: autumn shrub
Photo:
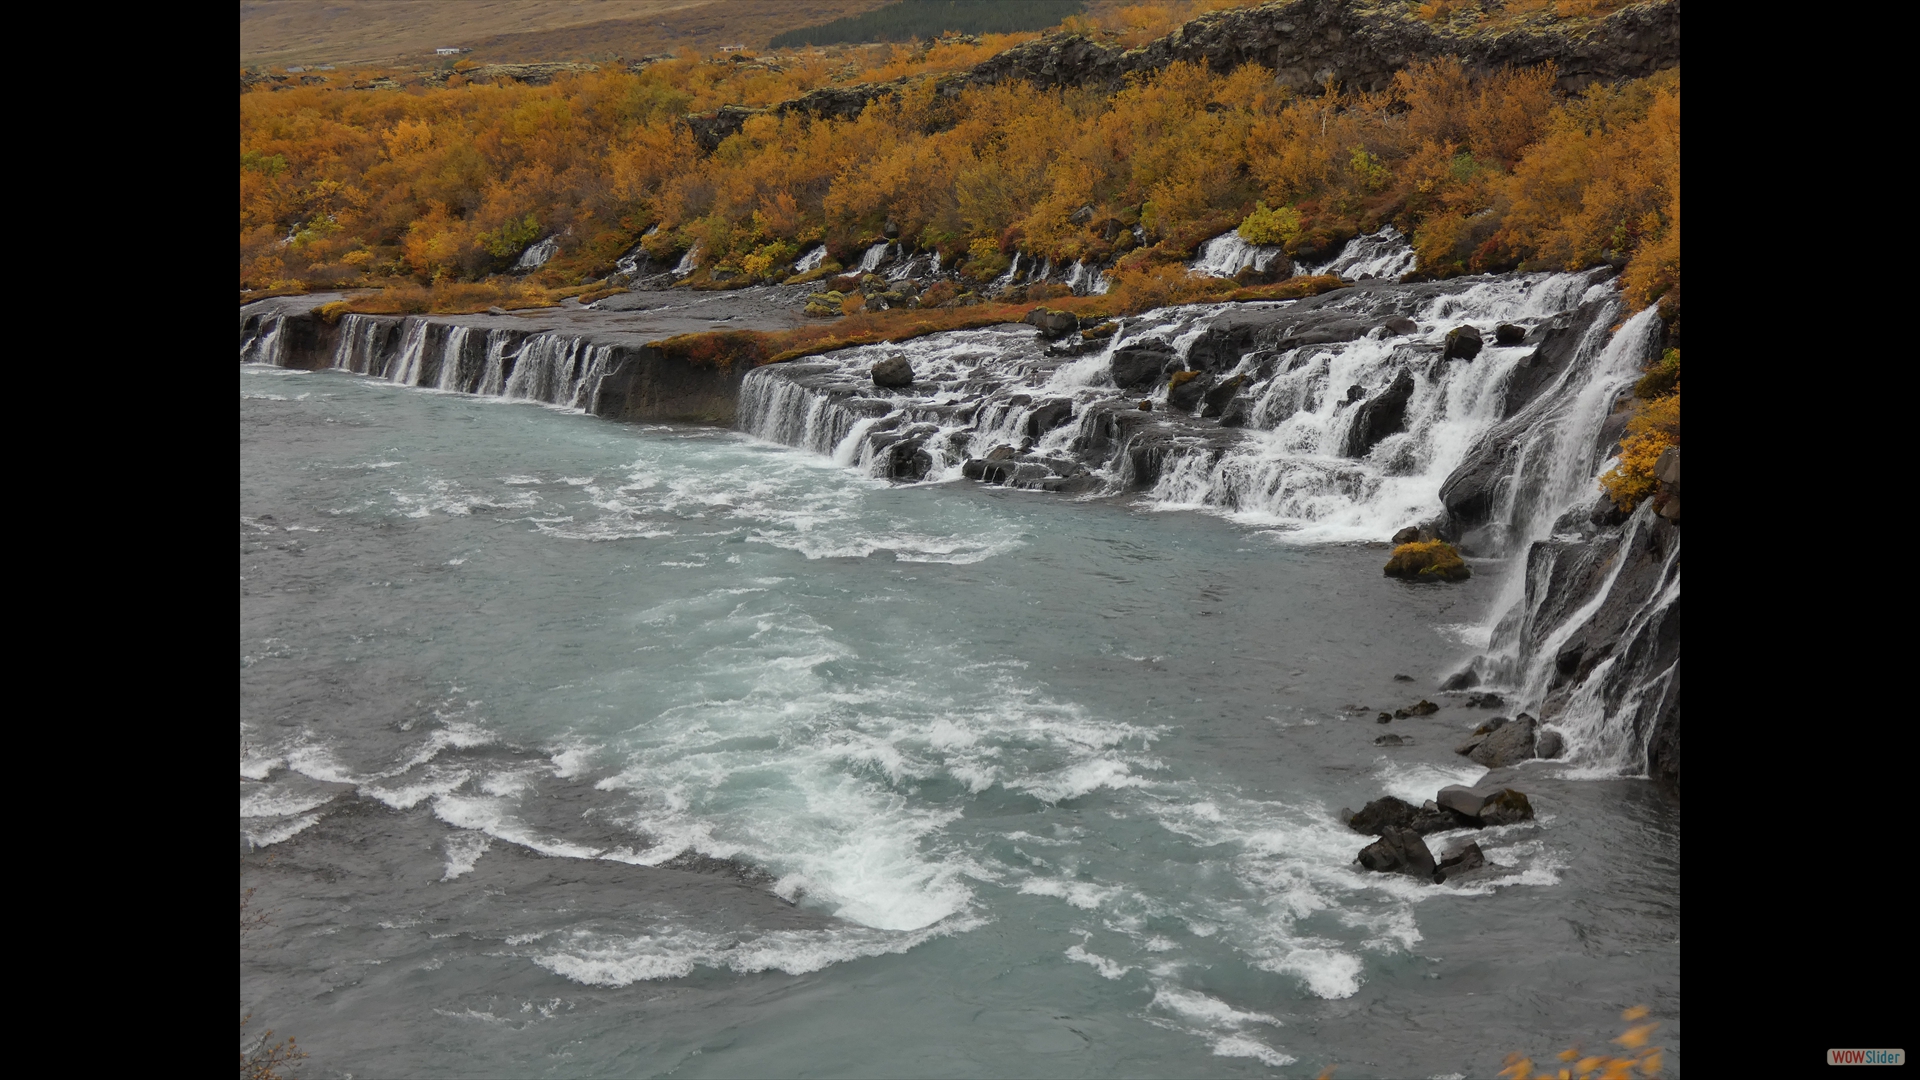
[
  {"x": 939, "y": 294},
  {"x": 1654, "y": 427},
  {"x": 1662, "y": 377},
  {"x": 1275, "y": 226},
  {"x": 445, "y": 186}
]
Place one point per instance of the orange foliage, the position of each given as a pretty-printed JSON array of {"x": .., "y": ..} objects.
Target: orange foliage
[{"x": 435, "y": 185}]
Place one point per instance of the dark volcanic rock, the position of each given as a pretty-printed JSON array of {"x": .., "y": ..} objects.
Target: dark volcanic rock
[
  {"x": 1185, "y": 393},
  {"x": 1049, "y": 415},
  {"x": 1054, "y": 324},
  {"x": 893, "y": 371},
  {"x": 1383, "y": 813},
  {"x": 1392, "y": 740},
  {"x": 1215, "y": 400},
  {"x": 1140, "y": 363},
  {"x": 1399, "y": 851},
  {"x": 1462, "y": 860},
  {"x": 1510, "y": 744},
  {"x": 1549, "y": 744},
  {"x": 1380, "y": 416},
  {"x": 1461, "y": 680},
  {"x": 1408, "y": 535},
  {"x": 1509, "y": 334},
  {"x": 1463, "y": 343},
  {"x": 1400, "y": 324},
  {"x": 1237, "y": 413},
  {"x": 1489, "y": 805}
]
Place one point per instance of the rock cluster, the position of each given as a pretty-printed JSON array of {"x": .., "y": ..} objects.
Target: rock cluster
[{"x": 1402, "y": 827}]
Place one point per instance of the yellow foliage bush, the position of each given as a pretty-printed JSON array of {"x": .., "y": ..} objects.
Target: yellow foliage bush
[{"x": 1653, "y": 428}]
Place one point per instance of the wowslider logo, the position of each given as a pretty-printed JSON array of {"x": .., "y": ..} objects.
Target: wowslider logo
[{"x": 1866, "y": 1057}]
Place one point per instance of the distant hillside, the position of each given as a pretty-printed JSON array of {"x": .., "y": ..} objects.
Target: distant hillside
[
  {"x": 278, "y": 32},
  {"x": 906, "y": 20}
]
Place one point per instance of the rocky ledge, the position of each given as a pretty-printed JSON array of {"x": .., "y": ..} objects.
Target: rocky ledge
[{"x": 1308, "y": 44}]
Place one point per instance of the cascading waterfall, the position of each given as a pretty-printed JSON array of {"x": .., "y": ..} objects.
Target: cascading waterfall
[
  {"x": 1349, "y": 431},
  {"x": 553, "y": 369},
  {"x": 1227, "y": 254},
  {"x": 811, "y": 260},
  {"x": 269, "y": 346},
  {"x": 1383, "y": 255},
  {"x": 689, "y": 262},
  {"x": 875, "y": 257}
]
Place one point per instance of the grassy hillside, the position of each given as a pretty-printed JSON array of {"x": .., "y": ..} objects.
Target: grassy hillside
[
  {"x": 276, "y": 32},
  {"x": 909, "y": 20}
]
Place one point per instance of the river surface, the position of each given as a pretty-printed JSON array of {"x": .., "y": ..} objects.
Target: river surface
[{"x": 571, "y": 748}]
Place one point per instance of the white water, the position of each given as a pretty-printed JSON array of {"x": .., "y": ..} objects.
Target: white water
[
  {"x": 1289, "y": 470},
  {"x": 1227, "y": 254},
  {"x": 1384, "y": 254},
  {"x": 689, "y": 262},
  {"x": 811, "y": 260},
  {"x": 875, "y": 256},
  {"x": 536, "y": 256}
]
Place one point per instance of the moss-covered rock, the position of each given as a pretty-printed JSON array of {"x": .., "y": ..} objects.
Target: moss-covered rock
[{"x": 1435, "y": 560}]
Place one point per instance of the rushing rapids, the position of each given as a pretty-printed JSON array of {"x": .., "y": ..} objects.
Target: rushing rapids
[{"x": 1345, "y": 417}]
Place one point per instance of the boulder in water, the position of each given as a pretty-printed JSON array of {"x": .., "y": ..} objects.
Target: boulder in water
[
  {"x": 1462, "y": 859},
  {"x": 1237, "y": 413},
  {"x": 1214, "y": 401},
  {"x": 1185, "y": 389},
  {"x": 1403, "y": 678},
  {"x": 1461, "y": 680},
  {"x": 1510, "y": 744},
  {"x": 1509, "y": 334},
  {"x": 1001, "y": 453},
  {"x": 1400, "y": 851},
  {"x": 1381, "y": 415},
  {"x": 1384, "y": 718},
  {"x": 1054, "y": 324},
  {"x": 1463, "y": 343},
  {"x": 1492, "y": 804},
  {"x": 893, "y": 371},
  {"x": 1434, "y": 560},
  {"x": 1400, "y": 324},
  {"x": 1488, "y": 700},
  {"x": 1139, "y": 363},
  {"x": 908, "y": 460},
  {"x": 1423, "y": 708},
  {"x": 1549, "y": 745},
  {"x": 1408, "y": 535},
  {"x": 1392, "y": 740},
  {"x": 1383, "y": 813},
  {"x": 1049, "y": 415}
]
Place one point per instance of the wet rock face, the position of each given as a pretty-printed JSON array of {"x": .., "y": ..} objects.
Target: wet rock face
[
  {"x": 1134, "y": 365},
  {"x": 1381, "y": 415}
]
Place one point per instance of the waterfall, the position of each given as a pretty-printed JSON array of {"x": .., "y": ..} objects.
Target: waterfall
[
  {"x": 554, "y": 369},
  {"x": 689, "y": 262},
  {"x": 269, "y": 346},
  {"x": 1384, "y": 255},
  {"x": 1227, "y": 254},
  {"x": 536, "y": 256},
  {"x": 1013, "y": 271},
  {"x": 811, "y": 260},
  {"x": 876, "y": 255}
]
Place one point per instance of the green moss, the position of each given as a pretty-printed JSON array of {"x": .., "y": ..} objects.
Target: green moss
[{"x": 1434, "y": 560}]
